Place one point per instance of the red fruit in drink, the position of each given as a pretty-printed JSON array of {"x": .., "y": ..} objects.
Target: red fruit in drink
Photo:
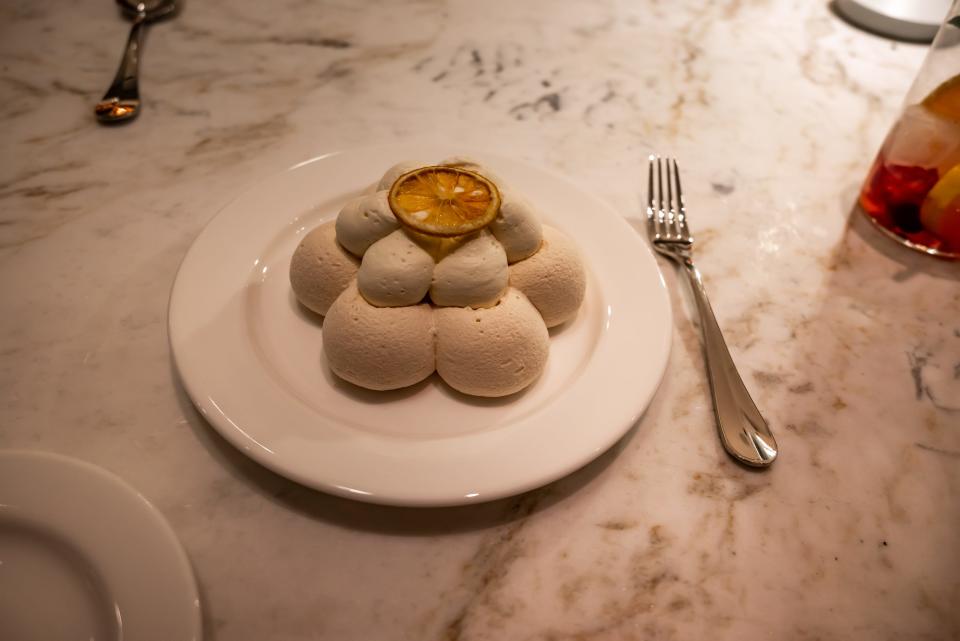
[
  {"x": 901, "y": 184},
  {"x": 893, "y": 193}
]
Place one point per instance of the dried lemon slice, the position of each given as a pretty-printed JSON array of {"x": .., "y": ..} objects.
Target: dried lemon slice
[{"x": 444, "y": 201}]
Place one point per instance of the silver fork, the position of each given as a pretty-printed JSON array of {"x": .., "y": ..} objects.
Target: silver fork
[{"x": 743, "y": 431}]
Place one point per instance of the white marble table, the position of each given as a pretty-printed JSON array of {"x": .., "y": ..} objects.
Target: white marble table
[{"x": 850, "y": 344}]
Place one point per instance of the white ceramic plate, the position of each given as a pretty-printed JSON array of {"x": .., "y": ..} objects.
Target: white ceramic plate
[
  {"x": 251, "y": 359},
  {"x": 84, "y": 556}
]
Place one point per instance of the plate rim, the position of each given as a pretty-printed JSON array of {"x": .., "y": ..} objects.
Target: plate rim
[
  {"x": 238, "y": 438},
  {"x": 99, "y": 484}
]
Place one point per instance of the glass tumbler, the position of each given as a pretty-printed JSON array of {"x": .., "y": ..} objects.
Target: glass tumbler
[{"x": 912, "y": 192}]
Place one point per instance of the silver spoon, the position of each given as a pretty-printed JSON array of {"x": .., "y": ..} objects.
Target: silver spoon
[{"x": 122, "y": 100}]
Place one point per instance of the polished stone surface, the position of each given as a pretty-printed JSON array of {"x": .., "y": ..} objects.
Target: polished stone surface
[{"x": 850, "y": 344}]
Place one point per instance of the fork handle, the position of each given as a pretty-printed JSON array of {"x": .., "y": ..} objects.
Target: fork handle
[{"x": 743, "y": 431}]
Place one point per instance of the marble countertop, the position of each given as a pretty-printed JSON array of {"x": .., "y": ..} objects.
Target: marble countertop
[{"x": 850, "y": 344}]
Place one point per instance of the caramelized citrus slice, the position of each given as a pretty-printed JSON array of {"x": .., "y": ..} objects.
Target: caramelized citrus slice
[
  {"x": 945, "y": 100},
  {"x": 444, "y": 201}
]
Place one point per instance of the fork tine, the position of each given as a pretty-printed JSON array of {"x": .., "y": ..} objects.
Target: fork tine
[
  {"x": 655, "y": 199},
  {"x": 671, "y": 210},
  {"x": 651, "y": 214},
  {"x": 682, "y": 211},
  {"x": 661, "y": 212}
]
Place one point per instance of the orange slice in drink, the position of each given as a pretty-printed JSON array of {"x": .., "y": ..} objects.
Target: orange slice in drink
[
  {"x": 940, "y": 212},
  {"x": 944, "y": 101},
  {"x": 444, "y": 201}
]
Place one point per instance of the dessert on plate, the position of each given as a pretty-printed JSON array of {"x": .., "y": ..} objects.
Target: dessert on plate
[{"x": 442, "y": 267}]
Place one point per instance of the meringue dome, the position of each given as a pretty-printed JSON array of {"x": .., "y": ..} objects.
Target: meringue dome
[
  {"x": 395, "y": 271},
  {"x": 554, "y": 278},
  {"x": 321, "y": 269},
  {"x": 379, "y": 348},
  {"x": 365, "y": 220},
  {"x": 517, "y": 227},
  {"x": 473, "y": 274},
  {"x": 494, "y": 351}
]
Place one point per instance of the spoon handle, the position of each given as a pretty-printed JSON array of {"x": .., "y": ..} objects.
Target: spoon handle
[{"x": 122, "y": 100}]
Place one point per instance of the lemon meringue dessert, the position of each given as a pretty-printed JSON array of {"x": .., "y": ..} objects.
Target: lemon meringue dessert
[{"x": 441, "y": 268}]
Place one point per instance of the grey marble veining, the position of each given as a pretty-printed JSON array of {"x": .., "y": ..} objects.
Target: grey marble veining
[{"x": 850, "y": 344}]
